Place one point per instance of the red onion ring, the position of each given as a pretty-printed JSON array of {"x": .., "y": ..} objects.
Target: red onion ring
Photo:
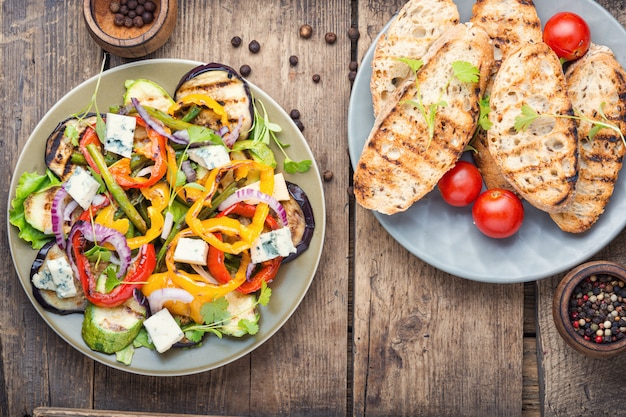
[
  {"x": 245, "y": 194},
  {"x": 154, "y": 124},
  {"x": 102, "y": 234},
  {"x": 57, "y": 213}
]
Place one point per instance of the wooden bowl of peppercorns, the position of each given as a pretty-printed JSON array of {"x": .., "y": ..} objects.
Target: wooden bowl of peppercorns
[
  {"x": 130, "y": 28},
  {"x": 589, "y": 309}
]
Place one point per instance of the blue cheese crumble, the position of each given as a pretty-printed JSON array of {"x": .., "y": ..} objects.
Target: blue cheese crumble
[
  {"x": 120, "y": 134},
  {"x": 210, "y": 157},
  {"x": 271, "y": 245},
  {"x": 82, "y": 187}
]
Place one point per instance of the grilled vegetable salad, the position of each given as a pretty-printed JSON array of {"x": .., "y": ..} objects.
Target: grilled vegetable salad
[{"x": 165, "y": 218}]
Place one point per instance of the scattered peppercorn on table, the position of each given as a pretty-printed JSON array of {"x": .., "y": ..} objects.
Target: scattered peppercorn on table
[{"x": 379, "y": 332}]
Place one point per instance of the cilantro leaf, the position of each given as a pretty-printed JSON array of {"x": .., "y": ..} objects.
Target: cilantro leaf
[
  {"x": 524, "y": 120},
  {"x": 265, "y": 294},
  {"x": 248, "y": 326},
  {"x": 483, "y": 118},
  {"x": 465, "y": 71},
  {"x": 215, "y": 311},
  {"x": 414, "y": 64}
]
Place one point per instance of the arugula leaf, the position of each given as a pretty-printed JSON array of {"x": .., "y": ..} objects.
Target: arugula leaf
[
  {"x": 260, "y": 151},
  {"x": 264, "y": 131}
]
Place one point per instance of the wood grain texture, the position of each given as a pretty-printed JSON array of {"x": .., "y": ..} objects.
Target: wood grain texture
[
  {"x": 45, "y": 52},
  {"x": 407, "y": 314}
]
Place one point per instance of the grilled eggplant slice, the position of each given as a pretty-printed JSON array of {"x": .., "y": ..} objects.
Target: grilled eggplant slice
[
  {"x": 227, "y": 87},
  {"x": 49, "y": 298},
  {"x": 59, "y": 146},
  {"x": 301, "y": 219}
]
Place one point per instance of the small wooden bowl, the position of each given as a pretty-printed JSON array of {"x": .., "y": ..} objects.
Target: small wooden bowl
[
  {"x": 560, "y": 309},
  {"x": 129, "y": 42}
]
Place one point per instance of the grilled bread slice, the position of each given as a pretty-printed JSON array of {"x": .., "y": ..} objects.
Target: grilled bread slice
[
  {"x": 510, "y": 24},
  {"x": 596, "y": 82},
  {"x": 418, "y": 24},
  {"x": 400, "y": 163},
  {"x": 541, "y": 161}
]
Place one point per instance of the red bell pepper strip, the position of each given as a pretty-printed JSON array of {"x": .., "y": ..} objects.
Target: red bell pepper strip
[
  {"x": 137, "y": 274},
  {"x": 155, "y": 151},
  {"x": 89, "y": 137},
  {"x": 215, "y": 259}
]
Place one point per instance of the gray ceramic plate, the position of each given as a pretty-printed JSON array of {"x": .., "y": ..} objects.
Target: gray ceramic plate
[
  {"x": 445, "y": 237},
  {"x": 289, "y": 287}
]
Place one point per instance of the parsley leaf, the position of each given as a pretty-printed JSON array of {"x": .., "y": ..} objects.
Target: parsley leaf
[{"x": 465, "y": 71}]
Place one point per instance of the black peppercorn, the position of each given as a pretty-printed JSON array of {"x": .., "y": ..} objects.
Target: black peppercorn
[
  {"x": 114, "y": 7},
  {"x": 128, "y": 22},
  {"x": 330, "y": 38},
  {"x": 118, "y": 20},
  {"x": 299, "y": 124},
  {"x": 123, "y": 9},
  {"x": 138, "y": 22},
  {"x": 140, "y": 10},
  {"x": 132, "y": 14},
  {"x": 294, "y": 114},
  {"x": 147, "y": 17},
  {"x": 353, "y": 33},
  {"x": 352, "y": 75},
  {"x": 245, "y": 70},
  {"x": 132, "y": 4},
  {"x": 306, "y": 31},
  {"x": 293, "y": 60},
  {"x": 150, "y": 6},
  {"x": 254, "y": 47},
  {"x": 353, "y": 66},
  {"x": 328, "y": 175},
  {"x": 316, "y": 78},
  {"x": 235, "y": 41}
]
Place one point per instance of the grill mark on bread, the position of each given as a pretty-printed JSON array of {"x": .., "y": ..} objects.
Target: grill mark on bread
[
  {"x": 595, "y": 78},
  {"x": 541, "y": 162},
  {"x": 400, "y": 162}
]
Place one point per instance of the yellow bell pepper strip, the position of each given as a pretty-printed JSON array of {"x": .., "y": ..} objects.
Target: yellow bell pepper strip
[
  {"x": 158, "y": 195},
  {"x": 206, "y": 228},
  {"x": 200, "y": 299},
  {"x": 106, "y": 217},
  {"x": 116, "y": 190},
  {"x": 154, "y": 150},
  {"x": 201, "y": 100},
  {"x": 202, "y": 290}
]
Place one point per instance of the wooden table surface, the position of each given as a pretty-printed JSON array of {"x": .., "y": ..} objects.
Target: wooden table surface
[{"x": 379, "y": 333}]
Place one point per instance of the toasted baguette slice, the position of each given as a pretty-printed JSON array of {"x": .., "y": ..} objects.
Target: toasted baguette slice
[
  {"x": 400, "y": 163},
  {"x": 418, "y": 24},
  {"x": 540, "y": 162},
  {"x": 510, "y": 24},
  {"x": 595, "y": 81}
]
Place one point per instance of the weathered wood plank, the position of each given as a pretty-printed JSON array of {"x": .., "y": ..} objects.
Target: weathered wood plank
[
  {"x": 40, "y": 60},
  {"x": 428, "y": 343}
]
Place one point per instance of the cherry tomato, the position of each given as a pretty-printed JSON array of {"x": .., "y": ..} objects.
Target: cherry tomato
[
  {"x": 568, "y": 35},
  {"x": 461, "y": 185},
  {"x": 498, "y": 213}
]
